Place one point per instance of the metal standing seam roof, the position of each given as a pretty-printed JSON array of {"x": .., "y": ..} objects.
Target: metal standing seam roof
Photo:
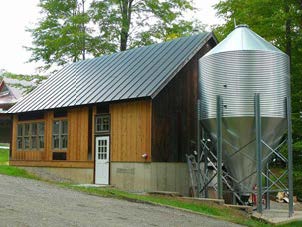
[{"x": 136, "y": 73}]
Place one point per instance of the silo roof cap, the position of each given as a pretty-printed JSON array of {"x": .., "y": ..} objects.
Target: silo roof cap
[{"x": 243, "y": 38}]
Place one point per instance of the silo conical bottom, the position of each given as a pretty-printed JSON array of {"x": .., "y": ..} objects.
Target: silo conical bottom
[{"x": 239, "y": 146}]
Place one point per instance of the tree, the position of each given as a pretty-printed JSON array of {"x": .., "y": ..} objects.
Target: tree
[
  {"x": 62, "y": 34},
  {"x": 125, "y": 24},
  {"x": 72, "y": 29}
]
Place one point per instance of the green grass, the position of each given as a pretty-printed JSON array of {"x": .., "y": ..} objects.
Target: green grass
[
  {"x": 216, "y": 211},
  {"x": 292, "y": 224},
  {"x": 3, "y": 155},
  {"x": 11, "y": 170},
  {"x": 16, "y": 172}
]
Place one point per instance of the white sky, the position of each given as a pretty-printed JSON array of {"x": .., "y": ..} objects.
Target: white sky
[{"x": 16, "y": 15}]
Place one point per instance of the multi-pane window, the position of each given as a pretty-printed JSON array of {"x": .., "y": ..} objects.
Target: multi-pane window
[
  {"x": 60, "y": 134},
  {"x": 30, "y": 136},
  {"x": 102, "y": 123}
]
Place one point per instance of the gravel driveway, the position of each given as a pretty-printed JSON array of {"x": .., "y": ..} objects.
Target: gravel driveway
[{"x": 26, "y": 202}]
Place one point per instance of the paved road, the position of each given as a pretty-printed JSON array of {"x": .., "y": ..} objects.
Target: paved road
[{"x": 26, "y": 202}]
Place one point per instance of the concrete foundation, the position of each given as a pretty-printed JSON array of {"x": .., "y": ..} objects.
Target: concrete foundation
[
  {"x": 145, "y": 177},
  {"x": 70, "y": 175},
  {"x": 134, "y": 177}
]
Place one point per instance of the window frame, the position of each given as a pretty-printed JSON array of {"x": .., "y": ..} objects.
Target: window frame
[
  {"x": 30, "y": 136},
  {"x": 102, "y": 116},
  {"x": 60, "y": 135}
]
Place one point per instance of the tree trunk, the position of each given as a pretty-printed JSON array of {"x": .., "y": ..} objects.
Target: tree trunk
[
  {"x": 126, "y": 7},
  {"x": 84, "y": 32}
]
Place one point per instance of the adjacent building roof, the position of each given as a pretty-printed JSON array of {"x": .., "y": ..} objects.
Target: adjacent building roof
[
  {"x": 136, "y": 73},
  {"x": 8, "y": 95}
]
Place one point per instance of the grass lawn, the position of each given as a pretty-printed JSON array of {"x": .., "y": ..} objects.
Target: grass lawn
[
  {"x": 11, "y": 170},
  {"x": 216, "y": 211},
  {"x": 3, "y": 155}
]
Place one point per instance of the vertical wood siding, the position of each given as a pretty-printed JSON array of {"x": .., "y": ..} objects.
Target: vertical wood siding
[
  {"x": 77, "y": 137},
  {"x": 130, "y": 131},
  {"x": 174, "y": 113},
  {"x": 78, "y": 134}
]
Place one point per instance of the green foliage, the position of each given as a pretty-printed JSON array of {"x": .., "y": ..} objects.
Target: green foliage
[
  {"x": 62, "y": 34},
  {"x": 132, "y": 23},
  {"x": 70, "y": 30}
]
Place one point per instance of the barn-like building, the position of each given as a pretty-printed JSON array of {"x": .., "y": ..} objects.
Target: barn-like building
[
  {"x": 8, "y": 97},
  {"x": 126, "y": 119}
]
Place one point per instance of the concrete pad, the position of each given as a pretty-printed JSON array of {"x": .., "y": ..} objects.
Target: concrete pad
[
  {"x": 204, "y": 200},
  {"x": 277, "y": 216},
  {"x": 165, "y": 193},
  {"x": 93, "y": 185}
]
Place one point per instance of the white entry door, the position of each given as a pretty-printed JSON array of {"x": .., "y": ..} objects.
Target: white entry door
[{"x": 102, "y": 160}]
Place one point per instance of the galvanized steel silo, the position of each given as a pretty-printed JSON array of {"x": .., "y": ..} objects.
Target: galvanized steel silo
[{"x": 240, "y": 66}]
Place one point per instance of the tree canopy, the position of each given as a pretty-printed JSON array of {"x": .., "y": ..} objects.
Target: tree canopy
[
  {"x": 61, "y": 34},
  {"x": 72, "y": 29}
]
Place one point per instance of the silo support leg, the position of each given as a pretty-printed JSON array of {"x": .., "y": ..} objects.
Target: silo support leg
[
  {"x": 219, "y": 147},
  {"x": 198, "y": 148},
  {"x": 290, "y": 157},
  {"x": 258, "y": 153},
  {"x": 268, "y": 204}
]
